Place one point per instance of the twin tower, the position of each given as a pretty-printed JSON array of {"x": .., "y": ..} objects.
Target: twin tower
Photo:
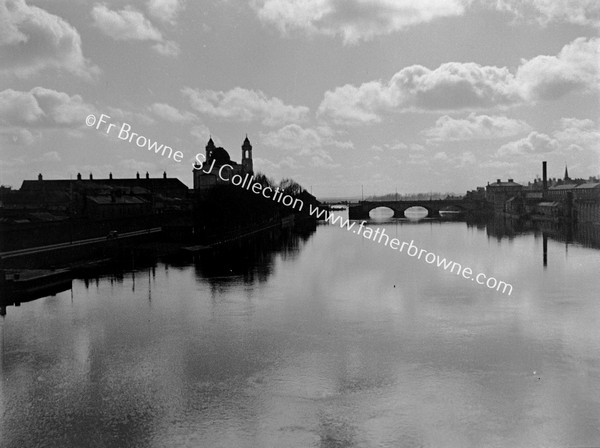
[{"x": 216, "y": 158}]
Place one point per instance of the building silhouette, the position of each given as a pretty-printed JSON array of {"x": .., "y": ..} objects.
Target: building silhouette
[{"x": 218, "y": 167}]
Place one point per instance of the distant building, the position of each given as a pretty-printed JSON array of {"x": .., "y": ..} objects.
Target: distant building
[
  {"x": 499, "y": 192},
  {"x": 95, "y": 198},
  {"x": 218, "y": 168},
  {"x": 476, "y": 195},
  {"x": 560, "y": 192},
  {"x": 164, "y": 186},
  {"x": 589, "y": 190}
]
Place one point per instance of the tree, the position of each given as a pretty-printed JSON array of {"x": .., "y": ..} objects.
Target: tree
[{"x": 290, "y": 186}]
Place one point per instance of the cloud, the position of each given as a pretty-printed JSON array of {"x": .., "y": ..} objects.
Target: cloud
[
  {"x": 309, "y": 142},
  {"x": 48, "y": 157},
  {"x": 41, "y": 107},
  {"x": 201, "y": 133},
  {"x": 576, "y": 67},
  {"x": 303, "y": 141},
  {"x": 474, "y": 127},
  {"x": 573, "y": 134},
  {"x": 363, "y": 20},
  {"x": 165, "y": 10},
  {"x": 118, "y": 115},
  {"x": 353, "y": 20},
  {"x": 130, "y": 24},
  {"x": 583, "y": 133},
  {"x": 579, "y": 12},
  {"x": 456, "y": 86},
  {"x": 167, "y": 48},
  {"x": 284, "y": 163},
  {"x": 23, "y": 115},
  {"x": 32, "y": 39},
  {"x": 172, "y": 114},
  {"x": 18, "y": 136},
  {"x": 244, "y": 105},
  {"x": 534, "y": 143},
  {"x": 451, "y": 86}
]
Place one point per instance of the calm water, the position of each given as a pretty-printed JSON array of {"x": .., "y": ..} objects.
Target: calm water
[{"x": 324, "y": 341}]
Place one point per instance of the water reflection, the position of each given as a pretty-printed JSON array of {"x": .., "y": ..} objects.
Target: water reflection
[{"x": 324, "y": 340}]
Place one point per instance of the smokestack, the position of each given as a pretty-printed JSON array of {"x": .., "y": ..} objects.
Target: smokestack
[{"x": 544, "y": 176}]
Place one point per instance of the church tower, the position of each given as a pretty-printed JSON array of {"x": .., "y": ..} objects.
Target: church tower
[
  {"x": 247, "y": 166},
  {"x": 566, "y": 174},
  {"x": 210, "y": 147}
]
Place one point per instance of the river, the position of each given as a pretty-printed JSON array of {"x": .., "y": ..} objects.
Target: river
[{"x": 321, "y": 340}]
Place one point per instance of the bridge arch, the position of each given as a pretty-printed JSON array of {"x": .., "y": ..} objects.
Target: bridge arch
[
  {"x": 416, "y": 209},
  {"x": 382, "y": 212}
]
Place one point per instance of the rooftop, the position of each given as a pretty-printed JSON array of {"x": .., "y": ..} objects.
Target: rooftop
[{"x": 563, "y": 187}]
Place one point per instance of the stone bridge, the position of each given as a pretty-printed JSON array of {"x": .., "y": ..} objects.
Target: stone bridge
[{"x": 433, "y": 207}]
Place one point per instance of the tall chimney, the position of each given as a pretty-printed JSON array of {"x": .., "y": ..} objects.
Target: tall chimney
[{"x": 544, "y": 176}]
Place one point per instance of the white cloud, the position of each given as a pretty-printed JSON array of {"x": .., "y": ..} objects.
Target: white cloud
[
  {"x": 312, "y": 143},
  {"x": 172, "y": 114},
  {"x": 572, "y": 135},
  {"x": 361, "y": 20},
  {"x": 580, "y": 12},
  {"x": 18, "y": 136},
  {"x": 284, "y": 163},
  {"x": 32, "y": 39},
  {"x": 534, "y": 143},
  {"x": 353, "y": 20},
  {"x": 459, "y": 86},
  {"x": 118, "y": 115},
  {"x": 41, "y": 107},
  {"x": 582, "y": 133},
  {"x": 474, "y": 127},
  {"x": 131, "y": 24},
  {"x": 165, "y": 10},
  {"x": 48, "y": 157},
  {"x": 576, "y": 67},
  {"x": 202, "y": 134},
  {"x": 244, "y": 105},
  {"x": 452, "y": 86},
  {"x": 167, "y": 48},
  {"x": 303, "y": 140}
]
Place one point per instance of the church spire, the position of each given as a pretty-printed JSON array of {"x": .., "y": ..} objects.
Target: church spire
[{"x": 566, "y": 173}]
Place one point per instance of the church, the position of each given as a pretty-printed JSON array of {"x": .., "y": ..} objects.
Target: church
[{"x": 218, "y": 166}]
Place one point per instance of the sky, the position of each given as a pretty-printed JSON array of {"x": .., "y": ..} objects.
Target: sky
[{"x": 340, "y": 95}]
